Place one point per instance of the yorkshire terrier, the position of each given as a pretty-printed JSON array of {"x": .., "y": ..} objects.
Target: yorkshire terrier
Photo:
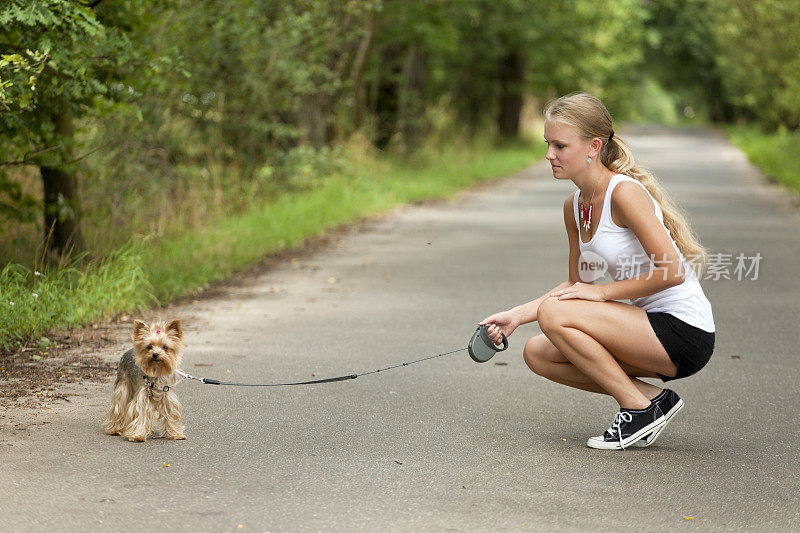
[{"x": 144, "y": 402}]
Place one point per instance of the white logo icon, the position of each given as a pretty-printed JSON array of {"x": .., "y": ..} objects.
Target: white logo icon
[{"x": 591, "y": 266}]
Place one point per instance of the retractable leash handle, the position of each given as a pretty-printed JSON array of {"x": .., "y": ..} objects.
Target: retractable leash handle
[{"x": 481, "y": 348}]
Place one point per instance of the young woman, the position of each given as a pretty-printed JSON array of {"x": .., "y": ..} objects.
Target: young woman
[{"x": 618, "y": 218}]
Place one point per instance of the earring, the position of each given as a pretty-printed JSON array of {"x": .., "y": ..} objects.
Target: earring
[{"x": 589, "y": 160}]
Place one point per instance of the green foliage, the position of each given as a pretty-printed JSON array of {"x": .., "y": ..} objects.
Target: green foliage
[
  {"x": 737, "y": 60},
  {"x": 57, "y": 59},
  {"x": 567, "y": 46},
  {"x": 305, "y": 167},
  {"x": 656, "y": 105},
  {"x": 15, "y": 204},
  {"x": 591, "y": 46},
  {"x": 18, "y": 81},
  {"x": 72, "y": 47},
  {"x": 680, "y": 54},
  {"x": 758, "y": 58},
  {"x": 169, "y": 266},
  {"x": 33, "y": 302},
  {"x": 32, "y": 55},
  {"x": 776, "y": 154},
  {"x": 257, "y": 71}
]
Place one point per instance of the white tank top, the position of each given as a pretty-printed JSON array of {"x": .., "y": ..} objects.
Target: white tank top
[{"x": 625, "y": 258}]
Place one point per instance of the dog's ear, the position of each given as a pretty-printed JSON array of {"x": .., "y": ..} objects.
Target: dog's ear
[
  {"x": 174, "y": 330},
  {"x": 140, "y": 330}
]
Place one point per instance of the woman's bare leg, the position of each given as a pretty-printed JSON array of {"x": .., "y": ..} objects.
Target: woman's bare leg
[
  {"x": 543, "y": 358},
  {"x": 587, "y": 333}
]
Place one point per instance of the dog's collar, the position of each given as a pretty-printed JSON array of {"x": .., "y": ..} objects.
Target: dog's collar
[{"x": 150, "y": 384}]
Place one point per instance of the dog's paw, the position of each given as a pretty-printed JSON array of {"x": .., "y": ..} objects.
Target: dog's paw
[
  {"x": 177, "y": 437},
  {"x": 136, "y": 438}
]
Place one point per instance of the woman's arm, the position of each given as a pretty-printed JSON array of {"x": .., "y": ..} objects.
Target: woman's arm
[
  {"x": 508, "y": 321},
  {"x": 528, "y": 312},
  {"x": 633, "y": 208}
]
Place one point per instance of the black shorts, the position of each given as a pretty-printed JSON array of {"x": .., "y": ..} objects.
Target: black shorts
[{"x": 689, "y": 347}]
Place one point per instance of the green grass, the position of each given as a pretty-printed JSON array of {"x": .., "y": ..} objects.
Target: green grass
[
  {"x": 154, "y": 269},
  {"x": 776, "y": 154},
  {"x": 32, "y": 302},
  {"x": 371, "y": 185}
]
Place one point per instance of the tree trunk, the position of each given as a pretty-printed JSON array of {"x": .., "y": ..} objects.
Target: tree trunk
[
  {"x": 475, "y": 113},
  {"x": 313, "y": 121},
  {"x": 61, "y": 200},
  {"x": 388, "y": 101},
  {"x": 720, "y": 108},
  {"x": 512, "y": 87},
  {"x": 358, "y": 72},
  {"x": 412, "y": 112}
]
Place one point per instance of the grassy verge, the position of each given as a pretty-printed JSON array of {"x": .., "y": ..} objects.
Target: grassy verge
[
  {"x": 158, "y": 269},
  {"x": 32, "y": 302},
  {"x": 776, "y": 154}
]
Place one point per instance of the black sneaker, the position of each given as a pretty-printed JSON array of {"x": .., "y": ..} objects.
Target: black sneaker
[
  {"x": 629, "y": 426},
  {"x": 670, "y": 403}
]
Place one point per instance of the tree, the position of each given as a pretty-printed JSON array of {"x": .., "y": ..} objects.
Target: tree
[
  {"x": 681, "y": 54},
  {"x": 273, "y": 74},
  {"x": 756, "y": 55},
  {"x": 409, "y": 40},
  {"x": 61, "y": 61}
]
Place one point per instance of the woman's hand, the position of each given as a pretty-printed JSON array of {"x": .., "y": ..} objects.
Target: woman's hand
[
  {"x": 581, "y": 291},
  {"x": 504, "y": 322}
]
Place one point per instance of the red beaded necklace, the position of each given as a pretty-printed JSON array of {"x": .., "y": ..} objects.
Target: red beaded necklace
[{"x": 586, "y": 212}]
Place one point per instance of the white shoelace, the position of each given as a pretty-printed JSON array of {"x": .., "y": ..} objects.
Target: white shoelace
[{"x": 619, "y": 418}]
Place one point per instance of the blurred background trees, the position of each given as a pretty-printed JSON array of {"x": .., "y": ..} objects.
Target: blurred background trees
[{"x": 141, "y": 116}]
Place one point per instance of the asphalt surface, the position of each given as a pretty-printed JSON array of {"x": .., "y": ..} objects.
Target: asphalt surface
[{"x": 448, "y": 444}]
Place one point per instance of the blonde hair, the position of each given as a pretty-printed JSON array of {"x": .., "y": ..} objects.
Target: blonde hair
[{"x": 590, "y": 118}]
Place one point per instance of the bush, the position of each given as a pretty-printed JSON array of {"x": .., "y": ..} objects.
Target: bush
[{"x": 776, "y": 154}]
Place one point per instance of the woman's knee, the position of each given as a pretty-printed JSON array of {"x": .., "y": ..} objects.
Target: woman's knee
[
  {"x": 548, "y": 313},
  {"x": 535, "y": 354}
]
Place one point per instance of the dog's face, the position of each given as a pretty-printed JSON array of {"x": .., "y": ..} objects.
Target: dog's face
[{"x": 158, "y": 347}]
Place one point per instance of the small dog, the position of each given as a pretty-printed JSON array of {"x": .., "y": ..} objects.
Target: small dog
[{"x": 144, "y": 401}]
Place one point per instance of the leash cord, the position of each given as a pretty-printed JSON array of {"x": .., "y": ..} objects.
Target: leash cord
[{"x": 326, "y": 380}]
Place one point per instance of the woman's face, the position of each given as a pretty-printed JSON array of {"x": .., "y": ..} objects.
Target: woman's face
[{"x": 566, "y": 151}]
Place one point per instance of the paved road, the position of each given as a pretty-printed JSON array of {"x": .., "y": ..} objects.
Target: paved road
[{"x": 449, "y": 445}]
